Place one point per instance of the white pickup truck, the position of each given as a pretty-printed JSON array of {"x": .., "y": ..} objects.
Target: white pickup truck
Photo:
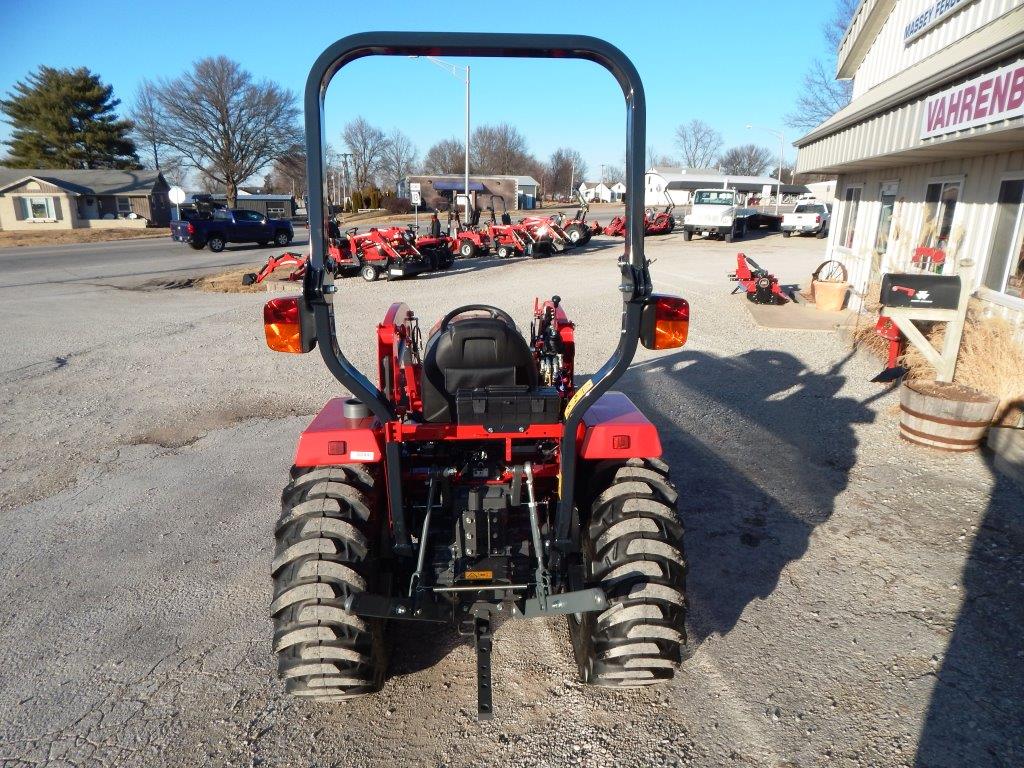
[
  {"x": 718, "y": 213},
  {"x": 809, "y": 217}
]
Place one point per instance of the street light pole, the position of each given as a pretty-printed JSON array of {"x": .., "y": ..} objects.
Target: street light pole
[
  {"x": 782, "y": 150},
  {"x": 454, "y": 70}
]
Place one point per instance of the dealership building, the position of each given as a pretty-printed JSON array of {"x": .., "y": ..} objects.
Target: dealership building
[{"x": 929, "y": 154}]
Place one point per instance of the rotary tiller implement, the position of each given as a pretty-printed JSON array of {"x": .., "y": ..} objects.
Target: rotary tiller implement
[
  {"x": 474, "y": 477},
  {"x": 761, "y": 286}
]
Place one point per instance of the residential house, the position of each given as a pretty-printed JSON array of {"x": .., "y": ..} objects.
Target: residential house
[{"x": 34, "y": 199}]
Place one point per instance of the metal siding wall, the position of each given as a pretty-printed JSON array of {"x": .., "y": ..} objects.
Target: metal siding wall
[
  {"x": 974, "y": 217},
  {"x": 889, "y": 56}
]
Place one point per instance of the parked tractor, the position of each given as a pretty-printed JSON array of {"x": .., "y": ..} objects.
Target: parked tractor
[
  {"x": 468, "y": 239},
  {"x": 473, "y": 476},
  {"x": 507, "y": 238},
  {"x": 577, "y": 229},
  {"x": 391, "y": 252},
  {"x": 547, "y": 232}
]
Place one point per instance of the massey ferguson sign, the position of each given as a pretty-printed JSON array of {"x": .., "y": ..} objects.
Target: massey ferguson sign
[{"x": 988, "y": 98}]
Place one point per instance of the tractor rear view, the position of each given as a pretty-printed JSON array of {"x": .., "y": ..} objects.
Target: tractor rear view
[{"x": 472, "y": 476}]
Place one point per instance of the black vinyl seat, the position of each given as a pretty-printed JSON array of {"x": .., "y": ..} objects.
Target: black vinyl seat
[{"x": 472, "y": 352}]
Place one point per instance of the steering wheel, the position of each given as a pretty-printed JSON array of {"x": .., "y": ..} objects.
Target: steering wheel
[
  {"x": 494, "y": 312},
  {"x": 351, "y": 231}
]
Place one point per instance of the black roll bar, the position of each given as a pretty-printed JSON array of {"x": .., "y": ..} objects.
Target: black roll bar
[{"x": 319, "y": 286}]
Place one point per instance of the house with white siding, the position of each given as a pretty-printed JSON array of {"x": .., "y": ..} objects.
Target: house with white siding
[{"x": 929, "y": 154}]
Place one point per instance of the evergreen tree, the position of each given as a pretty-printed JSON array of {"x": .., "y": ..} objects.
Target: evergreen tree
[{"x": 64, "y": 118}]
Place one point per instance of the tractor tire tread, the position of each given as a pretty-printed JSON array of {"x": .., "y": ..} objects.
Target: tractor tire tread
[
  {"x": 634, "y": 540},
  {"x": 324, "y": 555}
]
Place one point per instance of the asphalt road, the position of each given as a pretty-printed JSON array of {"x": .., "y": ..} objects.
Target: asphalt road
[{"x": 854, "y": 601}]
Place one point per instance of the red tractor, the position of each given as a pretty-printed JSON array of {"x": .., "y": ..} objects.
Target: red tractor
[
  {"x": 577, "y": 229},
  {"x": 475, "y": 477},
  {"x": 392, "y": 252},
  {"x": 509, "y": 239},
  {"x": 468, "y": 239},
  {"x": 547, "y": 232},
  {"x": 662, "y": 222}
]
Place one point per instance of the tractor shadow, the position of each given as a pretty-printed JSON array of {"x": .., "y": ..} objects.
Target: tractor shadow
[
  {"x": 760, "y": 447},
  {"x": 976, "y": 712}
]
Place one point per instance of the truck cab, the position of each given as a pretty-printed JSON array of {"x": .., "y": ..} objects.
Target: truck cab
[{"x": 713, "y": 213}]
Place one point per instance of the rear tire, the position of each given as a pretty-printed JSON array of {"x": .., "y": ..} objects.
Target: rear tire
[
  {"x": 197, "y": 246},
  {"x": 326, "y": 541},
  {"x": 730, "y": 235},
  {"x": 787, "y": 233},
  {"x": 687, "y": 235},
  {"x": 632, "y": 548},
  {"x": 216, "y": 243},
  {"x": 821, "y": 234}
]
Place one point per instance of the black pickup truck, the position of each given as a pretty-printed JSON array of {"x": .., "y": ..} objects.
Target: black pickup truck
[{"x": 232, "y": 225}]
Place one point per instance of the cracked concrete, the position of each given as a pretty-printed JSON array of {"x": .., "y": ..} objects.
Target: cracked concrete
[{"x": 855, "y": 601}]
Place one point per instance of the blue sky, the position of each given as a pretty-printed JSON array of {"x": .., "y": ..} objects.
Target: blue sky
[{"x": 728, "y": 63}]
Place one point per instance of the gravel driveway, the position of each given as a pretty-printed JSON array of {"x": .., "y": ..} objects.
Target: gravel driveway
[{"x": 856, "y": 601}]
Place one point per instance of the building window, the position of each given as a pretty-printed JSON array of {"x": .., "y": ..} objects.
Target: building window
[
  {"x": 39, "y": 208},
  {"x": 940, "y": 200},
  {"x": 887, "y": 198},
  {"x": 275, "y": 213},
  {"x": 1005, "y": 270},
  {"x": 124, "y": 206},
  {"x": 849, "y": 222}
]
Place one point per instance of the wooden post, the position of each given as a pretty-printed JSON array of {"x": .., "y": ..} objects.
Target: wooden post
[{"x": 944, "y": 362}]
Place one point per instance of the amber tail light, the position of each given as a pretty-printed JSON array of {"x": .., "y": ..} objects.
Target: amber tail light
[
  {"x": 665, "y": 322},
  {"x": 289, "y": 325}
]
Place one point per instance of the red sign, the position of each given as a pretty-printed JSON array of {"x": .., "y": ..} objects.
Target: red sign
[{"x": 988, "y": 98}]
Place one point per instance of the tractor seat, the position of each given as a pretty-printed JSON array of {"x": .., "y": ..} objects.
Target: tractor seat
[{"x": 472, "y": 352}]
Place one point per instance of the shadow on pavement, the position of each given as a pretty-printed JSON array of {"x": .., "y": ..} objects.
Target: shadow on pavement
[
  {"x": 759, "y": 453},
  {"x": 976, "y": 714}
]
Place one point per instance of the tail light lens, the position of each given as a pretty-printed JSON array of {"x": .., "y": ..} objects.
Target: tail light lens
[
  {"x": 665, "y": 322},
  {"x": 817, "y": 219},
  {"x": 191, "y": 228},
  {"x": 288, "y": 325}
]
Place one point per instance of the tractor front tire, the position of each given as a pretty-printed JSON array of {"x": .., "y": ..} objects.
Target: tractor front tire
[
  {"x": 633, "y": 549},
  {"x": 326, "y": 552},
  {"x": 467, "y": 250},
  {"x": 369, "y": 272},
  {"x": 504, "y": 252}
]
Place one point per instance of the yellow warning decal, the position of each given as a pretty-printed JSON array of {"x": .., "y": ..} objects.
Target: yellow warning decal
[
  {"x": 587, "y": 386},
  {"x": 478, "y": 575}
]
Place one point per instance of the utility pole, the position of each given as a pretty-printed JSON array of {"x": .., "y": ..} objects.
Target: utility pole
[{"x": 344, "y": 178}]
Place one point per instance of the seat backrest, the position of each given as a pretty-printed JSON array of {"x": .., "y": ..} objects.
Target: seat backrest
[
  {"x": 472, "y": 352},
  {"x": 506, "y": 218}
]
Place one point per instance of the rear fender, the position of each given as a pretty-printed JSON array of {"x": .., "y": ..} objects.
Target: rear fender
[
  {"x": 332, "y": 438},
  {"x": 614, "y": 428}
]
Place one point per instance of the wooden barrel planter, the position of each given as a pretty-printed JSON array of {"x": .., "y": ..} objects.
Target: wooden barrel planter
[{"x": 950, "y": 417}]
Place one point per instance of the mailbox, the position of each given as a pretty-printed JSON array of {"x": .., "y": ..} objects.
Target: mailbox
[{"x": 925, "y": 291}]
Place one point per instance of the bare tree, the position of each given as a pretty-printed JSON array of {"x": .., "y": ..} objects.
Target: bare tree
[
  {"x": 288, "y": 173},
  {"x": 498, "y": 149},
  {"x": 565, "y": 168},
  {"x": 148, "y": 119},
  {"x": 699, "y": 144},
  {"x": 224, "y": 123},
  {"x": 399, "y": 159},
  {"x": 613, "y": 174},
  {"x": 367, "y": 144},
  {"x": 746, "y": 160},
  {"x": 447, "y": 156},
  {"x": 822, "y": 95},
  {"x": 654, "y": 158}
]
